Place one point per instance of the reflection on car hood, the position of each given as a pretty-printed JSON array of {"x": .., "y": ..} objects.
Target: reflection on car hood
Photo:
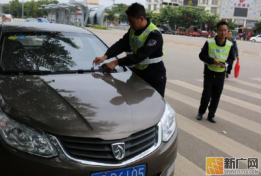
[{"x": 85, "y": 105}]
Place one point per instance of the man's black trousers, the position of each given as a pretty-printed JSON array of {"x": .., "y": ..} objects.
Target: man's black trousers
[
  {"x": 154, "y": 76},
  {"x": 158, "y": 83},
  {"x": 213, "y": 86}
]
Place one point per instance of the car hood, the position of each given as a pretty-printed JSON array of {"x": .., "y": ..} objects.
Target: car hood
[{"x": 109, "y": 106}]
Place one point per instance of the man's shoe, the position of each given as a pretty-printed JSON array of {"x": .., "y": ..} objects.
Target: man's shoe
[
  {"x": 212, "y": 119},
  {"x": 199, "y": 116}
]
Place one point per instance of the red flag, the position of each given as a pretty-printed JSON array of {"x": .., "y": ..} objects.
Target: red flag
[{"x": 237, "y": 69}]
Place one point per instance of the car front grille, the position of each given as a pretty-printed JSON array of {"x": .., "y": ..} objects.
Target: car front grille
[{"x": 100, "y": 151}]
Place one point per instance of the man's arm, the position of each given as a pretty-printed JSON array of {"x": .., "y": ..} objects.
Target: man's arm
[
  {"x": 203, "y": 55},
  {"x": 231, "y": 56},
  {"x": 154, "y": 43},
  {"x": 236, "y": 48},
  {"x": 119, "y": 47}
]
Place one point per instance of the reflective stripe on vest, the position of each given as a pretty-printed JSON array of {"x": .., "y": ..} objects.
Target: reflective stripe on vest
[
  {"x": 137, "y": 42},
  {"x": 220, "y": 53},
  {"x": 151, "y": 61},
  {"x": 147, "y": 60}
]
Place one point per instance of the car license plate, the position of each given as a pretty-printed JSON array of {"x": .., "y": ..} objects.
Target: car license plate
[{"x": 131, "y": 171}]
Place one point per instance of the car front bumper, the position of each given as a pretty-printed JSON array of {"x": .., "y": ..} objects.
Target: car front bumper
[{"x": 14, "y": 163}]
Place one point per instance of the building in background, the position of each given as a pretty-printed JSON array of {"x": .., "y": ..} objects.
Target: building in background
[
  {"x": 93, "y": 2},
  {"x": 190, "y": 2},
  {"x": 244, "y": 12},
  {"x": 213, "y": 6},
  {"x": 155, "y": 5}
]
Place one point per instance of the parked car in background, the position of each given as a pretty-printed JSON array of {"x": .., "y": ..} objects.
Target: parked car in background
[
  {"x": 43, "y": 20},
  {"x": 7, "y": 18},
  {"x": 181, "y": 31},
  {"x": 61, "y": 116},
  {"x": 31, "y": 20},
  {"x": 255, "y": 39},
  {"x": 204, "y": 33},
  {"x": 111, "y": 25},
  {"x": 125, "y": 24},
  {"x": 165, "y": 29},
  {"x": 168, "y": 30},
  {"x": 161, "y": 30},
  {"x": 192, "y": 31}
]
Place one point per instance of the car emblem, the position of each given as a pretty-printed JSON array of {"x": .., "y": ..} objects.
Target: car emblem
[{"x": 118, "y": 150}]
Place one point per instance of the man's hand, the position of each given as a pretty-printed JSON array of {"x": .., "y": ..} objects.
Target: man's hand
[
  {"x": 99, "y": 60},
  {"x": 220, "y": 64},
  {"x": 97, "y": 75},
  {"x": 216, "y": 62},
  {"x": 112, "y": 65}
]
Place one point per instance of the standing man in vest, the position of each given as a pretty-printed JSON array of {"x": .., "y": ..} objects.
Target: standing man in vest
[
  {"x": 217, "y": 54},
  {"x": 144, "y": 43}
]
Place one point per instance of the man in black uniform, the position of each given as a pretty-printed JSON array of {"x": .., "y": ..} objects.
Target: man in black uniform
[
  {"x": 230, "y": 67},
  {"x": 145, "y": 42},
  {"x": 217, "y": 54}
]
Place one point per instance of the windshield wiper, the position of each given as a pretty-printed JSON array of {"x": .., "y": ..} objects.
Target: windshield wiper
[
  {"x": 25, "y": 72},
  {"x": 102, "y": 69}
]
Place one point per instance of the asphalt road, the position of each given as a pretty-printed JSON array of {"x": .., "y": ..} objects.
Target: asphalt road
[{"x": 237, "y": 132}]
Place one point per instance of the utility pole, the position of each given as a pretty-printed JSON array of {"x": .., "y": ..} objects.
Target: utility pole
[
  {"x": 1, "y": 8},
  {"x": 22, "y": 9},
  {"x": 113, "y": 2}
]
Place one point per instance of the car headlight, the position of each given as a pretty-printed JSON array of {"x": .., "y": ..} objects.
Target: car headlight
[
  {"x": 24, "y": 138},
  {"x": 168, "y": 122}
]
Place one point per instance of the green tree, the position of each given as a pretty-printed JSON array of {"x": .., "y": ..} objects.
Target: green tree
[
  {"x": 153, "y": 17},
  {"x": 182, "y": 16},
  {"x": 231, "y": 24},
  {"x": 258, "y": 26},
  {"x": 210, "y": 19},
  {"x": 190, "y": 16},
  {"x": 5, "y": 8},
  {"x": 31, "y": 8},
  {"x": 117, "y": 12},
  {"x": 16, "y": 8},
  {"x": 169, "y": 16}
]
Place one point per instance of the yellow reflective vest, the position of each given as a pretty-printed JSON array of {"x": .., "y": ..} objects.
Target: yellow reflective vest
[
  {"x": 137, "y": 42},
  {"x": 220, "y": 53}
]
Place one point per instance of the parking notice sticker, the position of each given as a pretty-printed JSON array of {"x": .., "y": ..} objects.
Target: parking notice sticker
[{"x": 12, "y": 38}]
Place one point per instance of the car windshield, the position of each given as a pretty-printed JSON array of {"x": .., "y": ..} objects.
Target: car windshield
[{"x": 53, "y": 51}]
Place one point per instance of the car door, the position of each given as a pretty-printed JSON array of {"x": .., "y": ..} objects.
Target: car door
[{"x": 258, "y": 38}]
